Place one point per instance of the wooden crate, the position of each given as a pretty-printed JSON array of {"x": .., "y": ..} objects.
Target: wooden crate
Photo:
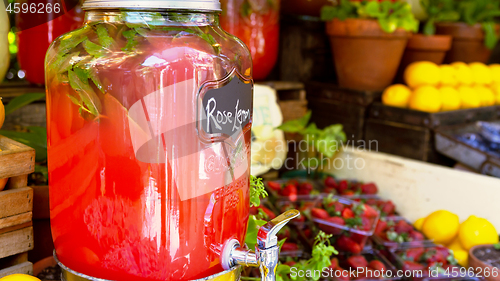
[
  {"x": 291, "y": 98},
  {"x": 331, "y": 104},
  {"x": 16, "y": 201},
  {"x": 411, "y": 133}
]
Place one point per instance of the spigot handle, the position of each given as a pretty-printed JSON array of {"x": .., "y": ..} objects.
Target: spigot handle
[{"x": 266, "y": 237}]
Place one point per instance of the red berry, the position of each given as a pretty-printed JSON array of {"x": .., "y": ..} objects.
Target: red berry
[
  {"x": 343, "y": 186},
  {"x": 403, "y": 227},
  {"x": 335, "y": 263},
  {"x": 330, "y": 182},
  {"x": 346, "y": 244},
  {"x": 367, "y": 223},
  {"x": 357, "y": 261},
  {"x": 289, "y": 247},
  {"x": 347, "y": 193},
  {"x": 377, "y": 265},
  {"x": 305, "y": 188},
  {"x": 276, "y": 186},
  {"x": 369, "y": 188},
  {"x": 290, "y": 191},
  {"x": 416, "y": 236},
  {"x": 347, "y": 213},
  {"x": 319, "y": 213},
  {"x": 293, "y": 182},
  {"x": 409, "y": 265},
  {"x": 414, "y": 254},
  {"x": 342, "y": 274},
  {"x": 388, "y": 208},
  {"x": 381, "y": 227},
  {"x": 370, "y": 212}
]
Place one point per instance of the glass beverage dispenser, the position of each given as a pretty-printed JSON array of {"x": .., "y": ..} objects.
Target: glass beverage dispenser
[{"x": 149, "y": 111}]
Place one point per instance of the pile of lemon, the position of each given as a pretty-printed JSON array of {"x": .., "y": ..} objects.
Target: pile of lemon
[
  {"x": 444, "y": 227},
  {"x": 433, "y": 88}
]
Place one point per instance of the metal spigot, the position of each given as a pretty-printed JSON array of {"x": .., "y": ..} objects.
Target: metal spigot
[{"x": 266, "y": 251}]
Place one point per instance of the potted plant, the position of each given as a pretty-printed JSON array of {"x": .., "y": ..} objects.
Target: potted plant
[
  {"x": 368, "y": 39},
  {"x": 470, "y": 23}
]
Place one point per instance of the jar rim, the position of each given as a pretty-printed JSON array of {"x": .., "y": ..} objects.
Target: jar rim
[{"x": 195, "y": 5}]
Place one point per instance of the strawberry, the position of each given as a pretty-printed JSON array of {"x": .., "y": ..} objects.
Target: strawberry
[
  {"x": 344, "y": 243},
  {"x": 371, "y": 201},
  {"x": 347, "y": 213},
  {"x": 342, "y": 274},
  {"x": 355, "y": 187},
  {"x": 290, "y": 263},
  {"x": 319, "y": 213},
  {"x": 409, "y": 265},
  {"x": 358, "y": 238},
  {"x": 367, "y": 223},
  {"x": 381, "y": 227},
  {"x": 289, "y": 247},
  {"x": 305, "y": 188},
  {"x": 416, "y": 236},
  {"x": 377, "y": 265},
  {"x": 285, "y": 233},
  {"x": 329, "y": 190},
  {"x": 334, "y": 230},
  {"x": 348, "y": 193},
  {"x": 337, "y": 206},
  {"x": 300, "y": 218},
  {"x": 343, "y": 186},
  {"x": 268, "y": 212},
  {"x": 357, "y": 261},
  {"x": 444, "y": 251},
  {"x": 369, "y": 188},
  {"x": 330, "y": 182},
  {"x": 276, "y": 186},
  {"x": 334, "y": 263},
  {"x": 370, "y": 212},
  {"x": 290, "y": 191},
  {"x": 403, "y": 227},
  {"x": 388, "y": 208},
  {"x": 414, "y": 254},
  {"x": 293, "y": 182},
  {"x": 307, "y": 233}
]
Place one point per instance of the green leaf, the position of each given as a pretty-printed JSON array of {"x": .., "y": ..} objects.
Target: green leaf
[
  {"x": 78, "y": 79},
  {"x": 42, "y": 169},
  {"x": 130, "y": 35},
  {"x": 36, "y": 138},
  {"x": 64, "y": 63},
  {"x": 94, "y": 49},
  {"x": 70, "y": 40},
  {"x": 103, "y": 36},
  {"x": 21, "y": 101},
  {"x": 254, "y": 225},
  {"x": 353, "y": 222},
  {"x": 297, "y": 125},
  {"x": 497, "y": 246},
  {"x": 491, "y": 37},
  {"x": 372, "y": 9},
  {"x": 257, "y": 190},
  {"x": 429, "y": 28}
]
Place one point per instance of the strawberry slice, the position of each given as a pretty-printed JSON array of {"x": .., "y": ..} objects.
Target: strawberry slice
[
  {"x": 347, "y": 213},
  {"x": 346, "y": 244},
  {"x": 319, "y": 213},
  {"x": 276, "y": 186},
  {"x": 357, "y": 261},
  {"x": 330, "y": 182},
  {"x": 290, "y": 191},
  {"x": 377, "y": 265},
  {"x": 369, "y": 188}
]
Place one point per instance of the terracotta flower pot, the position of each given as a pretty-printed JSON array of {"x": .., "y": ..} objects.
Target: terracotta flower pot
[
  {"x": 424, "y": 48},
  {"x": 365, "y": 57},
  {"x": 478, "y": 264},
  {"x": 468, "y": 42}
]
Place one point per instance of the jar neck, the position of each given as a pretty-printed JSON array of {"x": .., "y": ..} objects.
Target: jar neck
[{"x": 157, "y": 18}]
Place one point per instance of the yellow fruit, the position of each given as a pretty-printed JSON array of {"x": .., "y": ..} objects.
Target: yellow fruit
[
  {"x": 485, "y": 94},
  {"x": 481, "y": 73},
  {"x": 425, "y": 98},
  {"x": 468, "y": 97},
  {"x": 455, "y": 244},
  {"x": 462, "y": 256},
  {"x": 418, "y": 224},
  {"x": 396, "y": 95},
  {"x": 495, "y": 87},
  {"x": 441, "y": 226},
  {"x": 422, "y": 73},
  {"x": 19, "y": 277},
  {"x": 462, "y": 73},
  {"x": 450, "y": 98},
  {"x": 448, "y": 75},
  {"x": 495, "y": 72},
  {"x": 2, "y": 113},
  {"x": 477, "y": 231}
]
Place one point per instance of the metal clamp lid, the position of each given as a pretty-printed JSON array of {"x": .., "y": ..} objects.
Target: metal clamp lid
[{"x": 196, "y": 5}]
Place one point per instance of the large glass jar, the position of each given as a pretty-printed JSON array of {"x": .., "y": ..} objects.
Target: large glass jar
[
  {"x": 255, "y": 22},
  {"x": 149, "y": 126},
  {"x": 38, "y": 27}
]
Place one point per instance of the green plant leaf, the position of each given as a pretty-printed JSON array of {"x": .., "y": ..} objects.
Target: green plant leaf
[
  {"x": 104, "y": 39},
  {"x": 429, "y": 28},
  {"x": 497, "y": 246},
  {"x": 93, "y": 49},
  {"x": 254, "y": 225},
  {"x": 490, "y": 37},
  {"x": 78, "y": 80},
  {"x": 70, "y": 40},
  {"x": 21, "y": 101},
  {"x": 42, "y": 169},
  {"x": 257, "y": 190},
  {"x": 297, "y": 125}
]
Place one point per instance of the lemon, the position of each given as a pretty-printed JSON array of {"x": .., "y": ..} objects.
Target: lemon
[
  {"x": 2, "y": 113},
  {"x": 426, "y": 98},
  {"x": 422, "y": 73},
  {"x": 462, "y": 73},
  {"x": 441, "y": 226},
  {"x": 477, "y": 231},
  {"x": 495, "y": 87},
  {"x": 448, "y": 75},
  {"x": 450, "y": 98},
  {"x": 468, "y": 97},
  {"x": 19, "y": 277},
  {"x": 481, "y": 73},
  {"x": 396, "y": 95},
  {"x": 486, "y": 95},
  {"x": 455, "y": 244},
  {"x": 495, "y": 72},
  {"x": 462, "y": 257},
  {"x": 418, "y": 224}
]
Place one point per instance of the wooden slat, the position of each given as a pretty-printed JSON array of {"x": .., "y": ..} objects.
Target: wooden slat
[
  {"x": 16, "y": 227},
  {"x": 17, "y": 182},
  {"x": 15, "y": 220},
  {"x": 15, "y": 158},
  {"x": 23, "y": 268},
  {"x": 16, "y": 201},
  {"x": 16, "y": 242}
]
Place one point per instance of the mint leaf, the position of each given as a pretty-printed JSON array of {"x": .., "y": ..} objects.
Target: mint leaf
[
  {"x": 353, "y": 222},
  {"x": 93, "y": 49},
  {"x": 78, "y": 79},
  {"x": 297, "y": 125},
  {"x": 254, "y": 225},
  {"x": 103, "y": 36},
  {"x": 257, "y": 190}
]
